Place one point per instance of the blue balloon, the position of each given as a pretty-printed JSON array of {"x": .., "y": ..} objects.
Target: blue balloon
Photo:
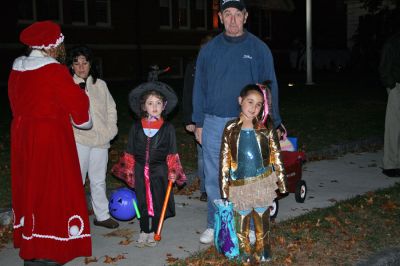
[{"x": 121, "y": 204}]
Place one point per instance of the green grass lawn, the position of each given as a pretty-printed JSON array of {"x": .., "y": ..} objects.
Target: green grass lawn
[{"x": 337, "y": 109}]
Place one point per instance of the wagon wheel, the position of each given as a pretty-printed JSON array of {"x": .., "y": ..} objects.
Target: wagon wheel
[
  {"x": 301, "y": 191},
  {"x": 273, "y": 209}
]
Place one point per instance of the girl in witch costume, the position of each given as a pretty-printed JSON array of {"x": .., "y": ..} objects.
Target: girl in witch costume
[
  {"x": 251, "y": 170},
  {"x": 151, "y": 158}
]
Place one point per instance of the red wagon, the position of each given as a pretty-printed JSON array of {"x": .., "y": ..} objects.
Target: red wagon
[{"x": 293, "y": 162}]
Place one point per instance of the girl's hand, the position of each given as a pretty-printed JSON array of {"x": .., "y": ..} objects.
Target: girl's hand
[{"x": 172, "y": 177}]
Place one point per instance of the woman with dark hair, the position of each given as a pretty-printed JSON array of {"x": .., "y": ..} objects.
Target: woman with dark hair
[{"x": 93, "y": 144}]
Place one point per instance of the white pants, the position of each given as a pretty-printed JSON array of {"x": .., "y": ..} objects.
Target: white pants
[
  {"x": 93, "y": 161},
  {"x": 391, "y": 149}
]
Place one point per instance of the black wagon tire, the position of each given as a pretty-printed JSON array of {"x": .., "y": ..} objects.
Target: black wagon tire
[
  {"x": 301, "y": 191},
  {"x": 273, "y": 211}
]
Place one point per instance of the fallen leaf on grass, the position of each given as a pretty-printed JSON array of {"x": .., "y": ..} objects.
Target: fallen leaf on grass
[
  {"x": 332, "y": 220},
  {"x": 288, "y": 260},
  {"x": 281, "y": 240},
  {"x": 318, "y": 224},
  {"x": 389, "y": 206},
  {"x": 293, "y": 247},
  {"x": 90, "y": 260},
  {"x": 370, "y": 201}
]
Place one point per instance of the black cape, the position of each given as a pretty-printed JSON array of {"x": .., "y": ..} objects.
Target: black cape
[{"x": 160, "y": 145}]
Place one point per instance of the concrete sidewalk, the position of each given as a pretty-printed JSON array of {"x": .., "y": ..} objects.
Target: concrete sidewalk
[{"x": 328, "y": 181}]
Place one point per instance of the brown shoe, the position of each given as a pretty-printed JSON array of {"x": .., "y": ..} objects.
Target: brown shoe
[{"x": 109, "y": 223}]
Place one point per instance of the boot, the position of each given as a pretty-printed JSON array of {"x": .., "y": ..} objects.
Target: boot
[
  {"x": 262, "y": 229},
  {"x": 242, "y": 223}
]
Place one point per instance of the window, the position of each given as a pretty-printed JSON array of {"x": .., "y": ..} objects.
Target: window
[
  {"x": 200, "y": 15},
  {"x": 34, "y": 10},
  {"x": 79, "y": 12},
  {"x": 103, "y": 13},
  {"x": 184, "y": 14},
  {"x": 165, "y": 14}
]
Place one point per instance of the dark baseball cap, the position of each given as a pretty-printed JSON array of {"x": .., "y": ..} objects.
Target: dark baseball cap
[{"x": 238, "y": 4}]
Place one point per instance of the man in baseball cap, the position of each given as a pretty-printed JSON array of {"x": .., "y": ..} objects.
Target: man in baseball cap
[{"x": 225, "y": 65}]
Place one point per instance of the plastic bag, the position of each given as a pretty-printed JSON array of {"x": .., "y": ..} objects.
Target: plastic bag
[{"x": 225, "y": 238}]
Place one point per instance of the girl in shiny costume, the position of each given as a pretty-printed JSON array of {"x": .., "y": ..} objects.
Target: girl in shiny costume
[{"x": 251, "y": 170}]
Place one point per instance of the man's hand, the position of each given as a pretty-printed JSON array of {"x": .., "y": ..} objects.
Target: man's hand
[{"x": 198, "y": 132}]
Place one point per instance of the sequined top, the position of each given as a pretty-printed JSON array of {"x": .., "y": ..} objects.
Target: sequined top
[
  {"x": 268, "y": 149},
  {"x": 249, "y": 156}
]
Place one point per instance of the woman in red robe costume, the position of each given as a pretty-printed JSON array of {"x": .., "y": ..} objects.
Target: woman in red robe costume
[{"x": 51, "y": 224}]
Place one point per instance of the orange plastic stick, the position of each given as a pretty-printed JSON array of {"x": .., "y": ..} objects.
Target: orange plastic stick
[{"x": 157, "y": 236}]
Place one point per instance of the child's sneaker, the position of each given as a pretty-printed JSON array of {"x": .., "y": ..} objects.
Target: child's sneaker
[
  {"x": 150, "y": 240},
  {"x": 141, "y": 242}
]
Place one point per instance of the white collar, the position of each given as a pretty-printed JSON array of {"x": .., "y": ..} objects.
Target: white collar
[{"x": 35, "y": 60}]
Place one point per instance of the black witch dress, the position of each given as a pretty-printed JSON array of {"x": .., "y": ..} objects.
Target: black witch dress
[{"x": 160, "y": 154}]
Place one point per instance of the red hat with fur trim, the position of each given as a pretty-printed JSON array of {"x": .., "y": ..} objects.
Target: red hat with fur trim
[{"x": 42, "y": 35}]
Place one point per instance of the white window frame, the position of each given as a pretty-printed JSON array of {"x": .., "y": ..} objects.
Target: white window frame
[
  {"x": 34, "y": 13},
  {"x": 85, "y": 22},
  {"x": 185, "y": 27},
  {"x": 205, "y": 15},
  {"x": 170, "y": 16},
  {"x": 108, "y": 23}
]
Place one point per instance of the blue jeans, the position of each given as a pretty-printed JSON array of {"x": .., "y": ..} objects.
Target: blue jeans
[
  {"x": 213, "y": 128},
  {"x": 200, "y": 167}
]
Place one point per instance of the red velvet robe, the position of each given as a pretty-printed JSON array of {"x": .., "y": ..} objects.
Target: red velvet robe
[{"x": 48, "y": 200}]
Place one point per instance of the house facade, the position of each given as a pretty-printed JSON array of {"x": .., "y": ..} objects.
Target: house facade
[{"x": 129, "y": 36}]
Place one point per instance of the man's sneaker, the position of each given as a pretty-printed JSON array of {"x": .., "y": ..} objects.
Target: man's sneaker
[
  {"x": 207, "y": 236},
  {"x": 252, "y": 237},
  {"x": 109, "y": 223},
  {"x": 150, "y": 240},
  {"x": 142, "y": 239}
]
